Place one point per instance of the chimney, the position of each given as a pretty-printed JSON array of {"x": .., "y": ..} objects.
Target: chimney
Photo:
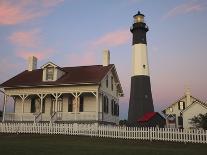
[
  {"x": 32, "y": 63},
  {"x": 106, "y": 57},
  {"x": 188, "y": 96}
]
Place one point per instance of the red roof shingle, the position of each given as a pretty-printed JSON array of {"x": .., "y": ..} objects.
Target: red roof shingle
[
  {"x": 73, "y": 75},
  {"x": 147, "y": 116}
]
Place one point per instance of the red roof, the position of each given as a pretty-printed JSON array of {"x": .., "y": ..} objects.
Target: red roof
[
  {"x": 147, "y": 116},
  {"x": 73, "y": 75}
]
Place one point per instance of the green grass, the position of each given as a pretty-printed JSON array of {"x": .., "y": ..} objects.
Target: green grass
[{"x": 79, "y": 145}]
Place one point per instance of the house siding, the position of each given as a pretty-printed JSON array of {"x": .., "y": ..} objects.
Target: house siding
[
  {"x": 193, "y": 110},
  {"x": 176, "y": 109}
]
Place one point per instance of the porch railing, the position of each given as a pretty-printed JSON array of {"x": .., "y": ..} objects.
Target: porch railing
[
  {"x": 71, "y": 116},
  {"x": 38, "y": 117},
  {"x": 19, "y": 117},
  {"x": 57, "y": 116}
]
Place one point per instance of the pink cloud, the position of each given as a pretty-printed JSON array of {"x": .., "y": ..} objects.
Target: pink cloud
[
  {"x": 26, "y": 38},
  {"x": 15, "y": 12},
  {"x": 89, "y": 55},
  {"x": 112, "y": 39},
  {"x": 80, "y": 59},
  {"x": 42, "y": 54},
  {"x": 193, "y": 6}
]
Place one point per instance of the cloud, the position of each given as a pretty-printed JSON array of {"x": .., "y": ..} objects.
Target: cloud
[
  {"x": 81, "y": 59},
  {"x": 30, "y": 43},
  {"x": 185, "y": 8},
  {"x": 41, "y": 54},
  {"x": 89, "y": 55},
  {"x": 111, "y": 39},
  {"x": 26, "y": 38},
  {"x": 15, "y": 12}
]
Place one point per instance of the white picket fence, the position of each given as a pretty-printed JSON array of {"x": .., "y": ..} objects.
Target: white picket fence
[{"x": 161, "y": 134}]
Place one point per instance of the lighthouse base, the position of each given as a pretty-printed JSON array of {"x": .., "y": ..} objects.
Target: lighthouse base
[{"x": 140, "y": 98}]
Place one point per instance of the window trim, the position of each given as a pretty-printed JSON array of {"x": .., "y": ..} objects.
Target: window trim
[{"x": 51, "y": 74}]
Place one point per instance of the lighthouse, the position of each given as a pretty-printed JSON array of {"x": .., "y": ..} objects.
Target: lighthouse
[{"x": 140, "y": 95}]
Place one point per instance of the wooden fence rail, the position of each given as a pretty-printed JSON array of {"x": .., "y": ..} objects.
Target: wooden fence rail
[{"x": 162, "y": 134}]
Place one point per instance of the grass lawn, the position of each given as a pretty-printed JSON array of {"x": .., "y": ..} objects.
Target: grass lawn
[{"x": 79, "y": 145}]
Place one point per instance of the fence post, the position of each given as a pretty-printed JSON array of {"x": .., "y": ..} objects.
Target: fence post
[{"x": 150, "y": 134}]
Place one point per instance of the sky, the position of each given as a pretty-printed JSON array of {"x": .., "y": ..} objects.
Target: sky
[{"x": 75, "y": 32}]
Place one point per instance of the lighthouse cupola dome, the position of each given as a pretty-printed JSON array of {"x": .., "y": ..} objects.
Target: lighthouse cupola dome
[{"x": 138, "y": 18}]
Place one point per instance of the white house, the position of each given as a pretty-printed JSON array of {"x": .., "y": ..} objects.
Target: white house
[
  {"x": 192, "y": 110},
  {"x": 65, "y": 94},
  {"x": 178, "y": 113}
]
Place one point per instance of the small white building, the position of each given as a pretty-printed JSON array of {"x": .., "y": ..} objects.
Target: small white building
[
  {"x": 65, "y": 94},
  {"x": 192, "y": 110},
  {"x": 179, "y": 113}
]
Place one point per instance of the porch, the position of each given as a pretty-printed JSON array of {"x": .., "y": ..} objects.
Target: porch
[{"x": 53, "y": 107}]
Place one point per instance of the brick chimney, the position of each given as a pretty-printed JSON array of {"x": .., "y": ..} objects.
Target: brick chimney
[
  {"x": 106, "y": 57},
  {"x": 32, "y": 63}
]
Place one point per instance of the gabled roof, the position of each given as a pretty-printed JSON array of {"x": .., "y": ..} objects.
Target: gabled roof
[
  {"x": 163, "y": 111},
  {"x": 201, "y": 103},
  {"x": 49, "y": 63},
  {"x": 73, "y": 75}
]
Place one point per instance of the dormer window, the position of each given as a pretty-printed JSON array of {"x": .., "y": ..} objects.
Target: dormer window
[{"x": 50, "y": 73}]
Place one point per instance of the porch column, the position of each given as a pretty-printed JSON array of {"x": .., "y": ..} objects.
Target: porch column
[
  {"x": 4, "y": 106},
  {"x": 56, "y": 95},
  {"x": 76, "y": 106},
  {"x": 42, "y": 96},
  {"x": 56, "y": 102},
  {"x": 97, "y": 106},
  {"x": 76, "y": 95},
  {"x": 96, "y": 94},
  {"x": 23, "y": 97}
]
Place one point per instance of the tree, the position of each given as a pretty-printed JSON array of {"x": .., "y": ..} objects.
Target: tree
[
  {"x": 123, "y": 122},
  {"x": 200, "y": 121}
]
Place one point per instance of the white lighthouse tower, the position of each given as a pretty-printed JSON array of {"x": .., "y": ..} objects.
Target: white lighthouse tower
[{"x": 140, "y": 96}]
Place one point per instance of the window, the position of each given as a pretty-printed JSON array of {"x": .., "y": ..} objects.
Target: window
[
  {"x": 105, "y": 104},
  {"x": 180, "y": 121},
  {"x": 43, "y": 106},
  {"x": 112, "y": 107},
  {"x": 81, "y": 104},
  {"x": 50, "y": 73},
  {"x": 107, "y": 81},
  {"x": 33, "y": 110},
  {"x": 181, "y": 105},
  {"x": 70, "y": 104},
  {"x": 112, "y": 83},
  {"x": 117, "y": 109},
  {"x": 171, "y": 109}
]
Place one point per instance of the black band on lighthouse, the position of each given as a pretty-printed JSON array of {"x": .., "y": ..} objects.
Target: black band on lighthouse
[{"x": 139, "y": 31}]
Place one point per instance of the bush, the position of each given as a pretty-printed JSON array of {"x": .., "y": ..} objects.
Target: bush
[{"x": 200, "y": 121}]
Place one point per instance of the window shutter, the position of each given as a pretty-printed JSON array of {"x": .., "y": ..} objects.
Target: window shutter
[{"x": 179, "y": 105}]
